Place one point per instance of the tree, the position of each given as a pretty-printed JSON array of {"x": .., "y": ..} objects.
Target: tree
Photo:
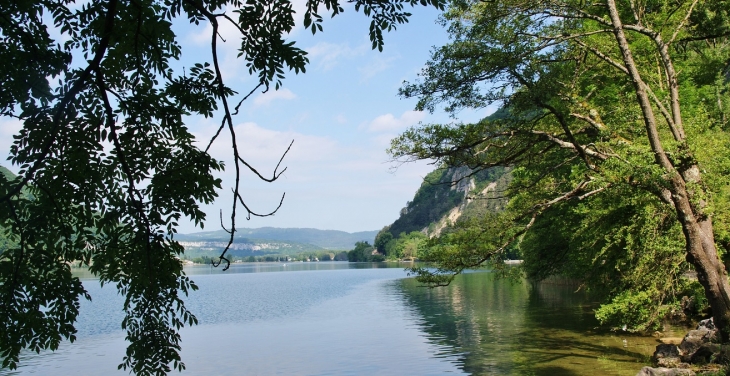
[
  {"x": 382, "y": 239},
  {"x": 107, "y": 166},
  {"x": 596, "y": 110},
  {"x": 362, "y": 252},
  {"x": 406, "y": 246}
]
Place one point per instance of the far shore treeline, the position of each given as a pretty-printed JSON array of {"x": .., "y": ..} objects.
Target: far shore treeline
[
  {"x": 301, "y": 257},
  {"x": 362, "y": 252}
]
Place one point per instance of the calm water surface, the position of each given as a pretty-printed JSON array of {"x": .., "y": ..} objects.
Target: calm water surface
[{"x": 338, "y": 318}]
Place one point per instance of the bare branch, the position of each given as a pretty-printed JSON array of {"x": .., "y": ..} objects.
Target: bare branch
[
  {"x": 275, "y": 175},
  {"x": 251, "y": 212},
  {"x": 588, "y": 120},
  {"x": 227, "y": 121},
  {"x": 637, "y": 16},
  {"x": 639, "y": 87},
  {"x": 580, "y": 149},
  {"x": 221, "y": 217},
  {"x": 684, "y": 21},
  {"x": 593, "y": 192},
  {"x": 223, "y": 123},
  {"x": 570, "y": 36}
]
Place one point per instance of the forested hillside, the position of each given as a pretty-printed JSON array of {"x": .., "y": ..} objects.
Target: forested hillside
[
  {"x": 446, "y": 196},
  {"x": 441, "y": 191}
]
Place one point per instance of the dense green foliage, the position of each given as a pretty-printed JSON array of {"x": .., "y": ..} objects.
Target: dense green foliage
[
  {"x": 107, "y": 166},
  {"x": 363, "y": 252},
  {"x": 616, "y": 181},
  {"x": 404, "y": 247}
]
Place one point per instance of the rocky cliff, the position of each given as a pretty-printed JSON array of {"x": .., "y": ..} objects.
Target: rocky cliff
[{"x": 449, "y": 194}]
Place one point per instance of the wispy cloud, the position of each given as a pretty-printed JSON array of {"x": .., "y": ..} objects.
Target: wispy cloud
[
  {"x": 375, "y": 66},
  {"x": 326, "y": 180},
  {"x": 341, "y": 119},
  {"x": 390, "y": 123},
  {"x": 329, "y": 55},
  {"x": 272, "y": 95},
  {"x": 263, "y": 148}
]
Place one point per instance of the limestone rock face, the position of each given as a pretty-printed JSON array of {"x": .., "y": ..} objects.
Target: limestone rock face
[
  {"x": 667, "y": 355},
  {"x": 666, "y": 351},
  {"x": 706, "y": 333},
  {"x": 703, "y": 355},
  {"x": 697, "y": 347},
  {"x": 662, "y": 371},
  {"x": 707, "y": 324}
]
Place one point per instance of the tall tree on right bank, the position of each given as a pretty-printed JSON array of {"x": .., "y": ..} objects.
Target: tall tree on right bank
[{"x": 611, "y": 99}]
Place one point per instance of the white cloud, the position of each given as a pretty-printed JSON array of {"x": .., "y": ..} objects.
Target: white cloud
[
  {"x": 375, "y": 66},
  {"x": 341, "y": 119},
  {"x": 200, "y": 36},
  {"x": 268, "y": 145},
  {"x": 383, "y": 140},
  {"x": 329, "y": 55},
  {"x": 272, "y": 95},
  {"x": 328, "y": 183},
  {"x": 389, "y": 123},
  {"x": 263, "y": 148}
]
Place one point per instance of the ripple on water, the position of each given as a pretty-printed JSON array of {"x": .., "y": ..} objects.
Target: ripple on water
[{"x": 362, "y": 322}]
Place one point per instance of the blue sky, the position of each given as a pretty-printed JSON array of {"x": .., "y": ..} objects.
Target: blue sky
[{"x": 341, "y": 115}]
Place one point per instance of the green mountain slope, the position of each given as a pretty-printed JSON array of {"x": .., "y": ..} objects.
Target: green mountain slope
[
  {"x": 328, "y": 239},
  {"x": 8, "y": 174}
]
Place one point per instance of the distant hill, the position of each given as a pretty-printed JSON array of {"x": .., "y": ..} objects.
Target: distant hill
[
  {"x": 324, "y": 239},
  {"x": 245, "y": 247},
  {"x": 8, "y": 174}
]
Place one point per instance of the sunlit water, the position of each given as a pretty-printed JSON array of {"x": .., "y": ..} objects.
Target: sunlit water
[{"x": 334, "y": 318}]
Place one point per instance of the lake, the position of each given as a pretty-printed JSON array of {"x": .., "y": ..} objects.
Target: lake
[{"x": 339, "y": 318}]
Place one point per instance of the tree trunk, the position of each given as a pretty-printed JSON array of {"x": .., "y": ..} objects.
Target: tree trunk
[
  {"x": 711, "y": 273},
  {"x": 697, "y": 226}
]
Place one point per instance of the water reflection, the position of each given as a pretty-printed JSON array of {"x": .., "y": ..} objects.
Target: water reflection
[
  {"x": 499, "y": 327},
  {"x": 333, "y": 318}
]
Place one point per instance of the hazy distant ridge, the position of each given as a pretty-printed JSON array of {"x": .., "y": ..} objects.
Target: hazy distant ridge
[{"x": 328, "y": 239}]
